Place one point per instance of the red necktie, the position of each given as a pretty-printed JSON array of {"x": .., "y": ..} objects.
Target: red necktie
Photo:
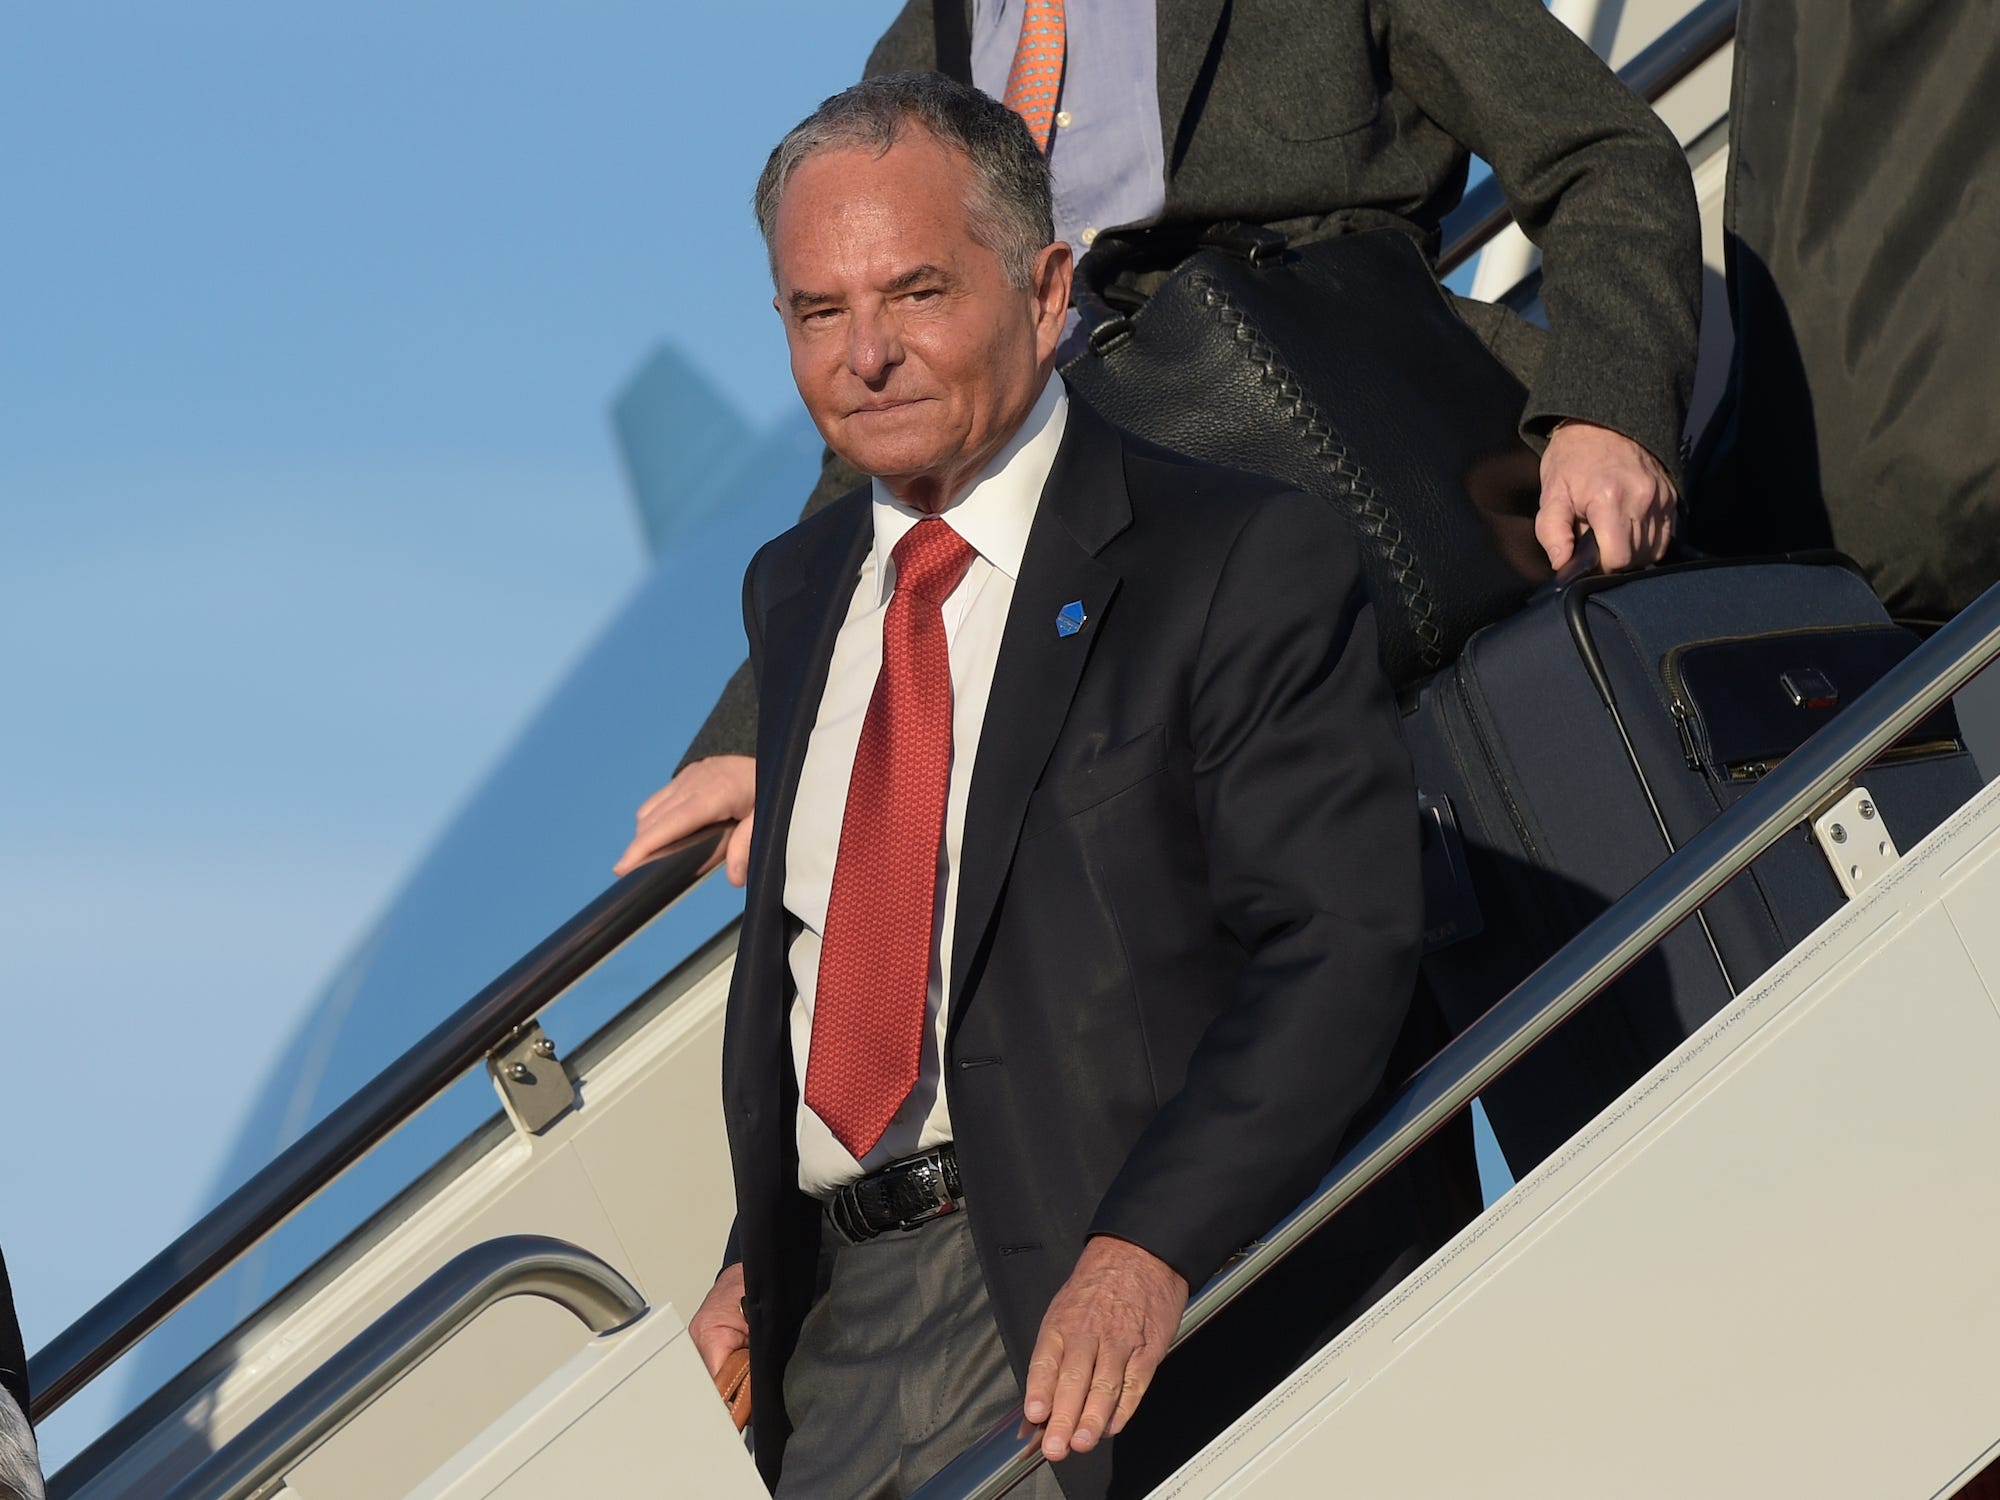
[
  {"x": 875, "y": 958},
  {"x": 1035, "y": 80}
]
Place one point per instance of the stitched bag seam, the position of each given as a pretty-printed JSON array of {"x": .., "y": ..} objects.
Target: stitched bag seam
[{"x": 1354, "y": 489}]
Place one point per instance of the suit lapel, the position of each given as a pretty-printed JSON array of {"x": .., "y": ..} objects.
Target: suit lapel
[
  {"x": 799, "y": 633},
  {"x": 1084, "y": 505},
  {"x": 1186, "y": 32}
]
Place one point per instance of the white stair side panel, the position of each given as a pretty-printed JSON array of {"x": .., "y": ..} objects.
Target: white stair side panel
[
  {"x": 633, "y": 1415},
  {"x": 638, "y": 1175},
  {"x": 1768, "y": 1269}
]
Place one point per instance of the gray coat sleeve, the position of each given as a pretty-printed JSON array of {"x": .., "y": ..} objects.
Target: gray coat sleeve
[
  {"x": 909, "y": 45},
  {"x": 1596, "y": 180},
  {"x": 731, "y": 726}
]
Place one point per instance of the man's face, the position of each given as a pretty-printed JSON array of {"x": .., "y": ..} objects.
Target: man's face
[{"x": 915, "y": 357}]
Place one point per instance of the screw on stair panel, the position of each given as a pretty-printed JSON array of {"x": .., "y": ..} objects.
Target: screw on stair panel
[{"x": 1857, "y": 861}]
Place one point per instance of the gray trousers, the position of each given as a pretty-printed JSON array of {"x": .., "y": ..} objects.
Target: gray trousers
[{"x": 899, "y": 1368}]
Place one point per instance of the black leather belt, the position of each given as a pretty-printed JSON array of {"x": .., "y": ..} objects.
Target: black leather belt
[{"x": 901, "y": 1195}]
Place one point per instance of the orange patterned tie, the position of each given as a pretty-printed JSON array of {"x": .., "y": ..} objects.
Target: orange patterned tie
[{"x": 1035, "y": 80}]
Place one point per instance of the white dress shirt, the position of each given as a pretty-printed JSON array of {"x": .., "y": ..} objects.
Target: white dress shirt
[{"x": 994, "y": 515}]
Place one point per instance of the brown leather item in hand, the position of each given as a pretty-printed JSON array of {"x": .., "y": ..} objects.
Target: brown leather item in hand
[{"x": 732, "y": 1383}]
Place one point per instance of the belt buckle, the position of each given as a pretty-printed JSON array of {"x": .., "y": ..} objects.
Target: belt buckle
[{"x": 931, "y": 1168}]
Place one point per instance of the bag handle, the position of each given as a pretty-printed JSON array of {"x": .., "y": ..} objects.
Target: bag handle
[
  {"x": 1253, "y": 244},
  {"x": 1108, "y": 305}
]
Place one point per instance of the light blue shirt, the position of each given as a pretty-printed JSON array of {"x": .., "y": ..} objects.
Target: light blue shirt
[{"x": 1105, "y": 151}]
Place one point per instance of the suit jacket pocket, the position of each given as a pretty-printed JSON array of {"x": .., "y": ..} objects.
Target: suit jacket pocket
[
  {"x": 1305, "y": 67},
  {"x": 1078, "y": 787}
]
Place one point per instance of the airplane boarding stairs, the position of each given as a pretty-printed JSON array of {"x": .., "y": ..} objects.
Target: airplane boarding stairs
[{"x": 1767, "y": 1269}]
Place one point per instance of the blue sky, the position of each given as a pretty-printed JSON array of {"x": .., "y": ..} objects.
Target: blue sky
[{"x": 309, "y": 322}]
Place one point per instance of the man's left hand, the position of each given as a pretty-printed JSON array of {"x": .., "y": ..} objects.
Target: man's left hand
[
  {"x": 1600, "y": 482},
  {"x": 1101, "y": 1340}
]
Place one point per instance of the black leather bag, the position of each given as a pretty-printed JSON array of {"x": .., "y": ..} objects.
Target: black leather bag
[{"x": 1339, "y": 367}]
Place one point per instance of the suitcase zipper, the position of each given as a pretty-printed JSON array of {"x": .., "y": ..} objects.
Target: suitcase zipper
[
  {"x": 1681, "y": 723},
  {"x": 1492, "y": 772},
  {"x": 1574, "y": 607}
]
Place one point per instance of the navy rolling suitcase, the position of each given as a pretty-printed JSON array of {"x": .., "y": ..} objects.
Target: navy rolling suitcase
[{"x": 1569, "y": 748}]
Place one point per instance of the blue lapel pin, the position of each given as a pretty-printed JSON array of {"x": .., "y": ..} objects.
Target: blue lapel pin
[{"x": 1070, "y": 618}]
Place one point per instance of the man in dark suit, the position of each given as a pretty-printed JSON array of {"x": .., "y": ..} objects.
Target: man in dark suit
[
  {"x": 1324, "y": 117},
  {"x": 1083, "y": 910}
]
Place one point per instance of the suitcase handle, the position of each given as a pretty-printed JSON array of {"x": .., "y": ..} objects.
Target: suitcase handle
[{"x": 1577, "y": 595}]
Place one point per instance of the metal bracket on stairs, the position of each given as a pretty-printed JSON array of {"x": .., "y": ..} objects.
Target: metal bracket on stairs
[
  {"x": 1855, "y": 841},
  {"x": 534, "y": 1086}
]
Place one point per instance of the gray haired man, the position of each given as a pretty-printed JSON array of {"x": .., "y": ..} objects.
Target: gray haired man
[{"x": 1083, "y": 908}]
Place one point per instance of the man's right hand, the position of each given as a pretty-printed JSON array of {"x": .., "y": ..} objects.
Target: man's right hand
[
  {"x": 721, "y": 789},
  {"x": 718, "y": 1326}
]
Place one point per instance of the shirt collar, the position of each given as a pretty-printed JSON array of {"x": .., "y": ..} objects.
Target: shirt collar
[{"x": 994, "y": 512}]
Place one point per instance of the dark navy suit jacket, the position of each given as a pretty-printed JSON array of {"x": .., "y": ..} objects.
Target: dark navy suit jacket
[{"x": 1187, "y": 928}]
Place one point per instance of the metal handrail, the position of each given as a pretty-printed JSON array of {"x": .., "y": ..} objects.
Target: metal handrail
[
  {"x": 1804, "y": 782},
  {"x": 1679, "y": 50},
  {"x": 299, "y": 1172},
  {"x": 259, "y": 1457}
]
